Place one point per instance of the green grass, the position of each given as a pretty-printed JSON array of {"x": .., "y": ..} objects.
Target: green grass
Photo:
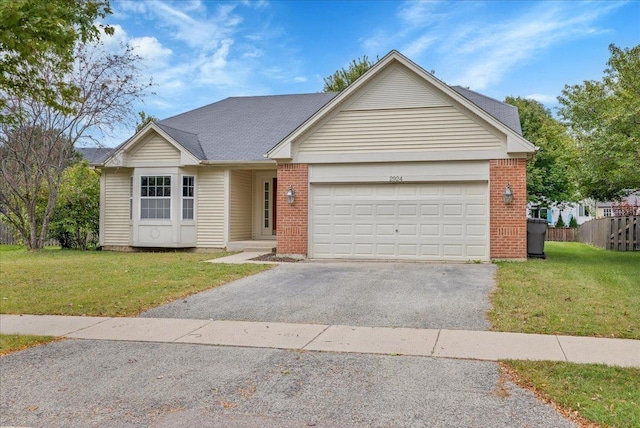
[
  {"x": 608, "y": 396},
  {"x": 100, "y": 283},
  {"x": 578, "y": 290},
  {"x": 581, "y": 291},
  {"x": 14, "y": 342}
]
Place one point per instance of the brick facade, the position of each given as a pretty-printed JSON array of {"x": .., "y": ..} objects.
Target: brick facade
[
  {"x": 293, "y": 219},
  {"x": 508, "y": 223}
]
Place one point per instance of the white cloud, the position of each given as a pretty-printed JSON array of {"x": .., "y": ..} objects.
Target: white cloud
[
  {"x": 491, "y": 51},
  {"x": 418, "y": 46},
  {"x": 476, "y": 48},
  {"x": 543, "y": 98},
  {"x": 420, "y": 13},
  {"x": 113, "y": 42},
  {"x": 300, "y": 79},
  {"x": 151, "y": 51}
]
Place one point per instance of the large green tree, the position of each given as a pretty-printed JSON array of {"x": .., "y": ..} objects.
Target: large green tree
[
  {"x": 37, "y": 35},
  {"x": 604, "y": 119},
  {"x": 346, "y": 76},
  {"x": 548, "y": 178}
]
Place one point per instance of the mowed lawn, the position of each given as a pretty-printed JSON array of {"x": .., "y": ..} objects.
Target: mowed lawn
[
  {"x": 578, "y": 290},
  {"x": 581, "y": 291},
  {"x": 100, "y": 283}
]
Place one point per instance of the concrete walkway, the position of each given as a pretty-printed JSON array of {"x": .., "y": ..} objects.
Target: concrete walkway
[{"x": 476, "y": 345}]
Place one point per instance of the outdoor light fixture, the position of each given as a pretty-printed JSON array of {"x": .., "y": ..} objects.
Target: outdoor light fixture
[
  {"x": 291, "y": 195},
  {"x": 508, "y": 194}
]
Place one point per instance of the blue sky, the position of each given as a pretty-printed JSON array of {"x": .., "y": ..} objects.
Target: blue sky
[{"x": 199, "y": 52}]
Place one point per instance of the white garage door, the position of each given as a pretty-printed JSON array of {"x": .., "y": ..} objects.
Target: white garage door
[{"x": 423, "y": 221}]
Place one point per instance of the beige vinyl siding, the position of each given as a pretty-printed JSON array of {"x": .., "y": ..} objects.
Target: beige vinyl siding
[
  {"x": 397, "y": 89},
  {"x": 155, "y": 148},
  {"x": 116, "y": 207},
  {"x": 401, "y": 130},
  {"x": 240, "y": 208},
  {"x": 210, "y": 207}
]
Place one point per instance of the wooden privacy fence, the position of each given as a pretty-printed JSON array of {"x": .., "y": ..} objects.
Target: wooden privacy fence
[
  {"x": 562, "y": 234},
  {"x": 612, "y": 233}
]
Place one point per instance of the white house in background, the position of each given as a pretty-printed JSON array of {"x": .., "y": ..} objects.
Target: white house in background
[
  {"x": 581, "y": 212},
  {"x": 606, "y": 209}
]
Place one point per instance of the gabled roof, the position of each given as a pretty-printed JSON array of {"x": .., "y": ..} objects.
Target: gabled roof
[
  {"x": 242, "y": 128},
  {"x": 485, "y": 107}
]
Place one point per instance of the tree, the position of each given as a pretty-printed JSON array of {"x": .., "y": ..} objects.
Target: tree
[
  {"x": 346, "y": 76},
  {"x": 560, "y": 222},
  {"x": 37, "y": 147},
  {"x": 604, "y": 119},
  {"x": 37, "y": 35},
  {"x": 548, "y": 179},
  {"x": 75, "y": 222},
  {"x": 573, "y": 223},
  {"x": 144, "y": 119}
]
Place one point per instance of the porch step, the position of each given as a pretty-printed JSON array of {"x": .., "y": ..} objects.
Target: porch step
[{"x": 267, "y": 246}]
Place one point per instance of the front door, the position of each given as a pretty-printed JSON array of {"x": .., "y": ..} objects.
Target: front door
[{"x": 265, "y": 202}]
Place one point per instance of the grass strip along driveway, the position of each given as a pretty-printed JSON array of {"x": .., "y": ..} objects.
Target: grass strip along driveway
[
  {"x": 578, "y": 291},
  {"x": 100, "y": 283}
]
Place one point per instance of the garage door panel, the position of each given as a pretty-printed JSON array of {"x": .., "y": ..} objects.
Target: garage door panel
[
  {"x": 385, "y": 210},
  {"x": 452, "y": 210},
  {"x": 430, "y": 210},
  {"x": 427, "y": 221},
  {"x": 452, "y": 250},
  {"x": 408, "y": 210},
  {"x": 343, "y": 229},
  {"x": 452, "y": 230}
]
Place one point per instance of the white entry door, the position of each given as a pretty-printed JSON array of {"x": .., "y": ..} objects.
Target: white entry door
[
  {"x": 265, "y": 212},
  {"x": 421, "y": 221}
]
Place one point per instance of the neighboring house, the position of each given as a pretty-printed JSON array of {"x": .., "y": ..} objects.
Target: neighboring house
[
  {"x": 397, "y": 166},
  {"x": 581, "y": 212},
  {"x": 94, "y": 154},
  {"x": 608, "y": 209}
]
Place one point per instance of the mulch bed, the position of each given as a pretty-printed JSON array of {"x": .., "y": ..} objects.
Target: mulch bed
[{"x": 272, "y": 257}]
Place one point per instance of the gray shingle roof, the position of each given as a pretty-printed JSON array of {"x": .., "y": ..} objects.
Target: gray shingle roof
[
  {"x": 94, "y": 154},
  {"x": 505, "y": 113},
  {"x": 242, "y": 128},
  {"x": 245, "y": 128}
]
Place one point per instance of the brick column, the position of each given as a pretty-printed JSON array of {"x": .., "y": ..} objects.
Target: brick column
[
  {"x": 508, "y": 222},
  {"x": 292, "y": 218}
]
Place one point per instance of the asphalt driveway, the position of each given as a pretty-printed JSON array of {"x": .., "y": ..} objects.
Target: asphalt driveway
[
  {"x": 414, "y": 295},
  {"x": 128, "y": 384}
]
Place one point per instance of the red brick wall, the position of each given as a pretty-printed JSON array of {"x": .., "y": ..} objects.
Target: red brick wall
[
  {"x": 292, "y": 219},
  {"x": 508, "y": 223}
]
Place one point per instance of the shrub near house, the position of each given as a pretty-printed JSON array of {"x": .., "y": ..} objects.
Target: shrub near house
[{"x": 75, "y": 223}]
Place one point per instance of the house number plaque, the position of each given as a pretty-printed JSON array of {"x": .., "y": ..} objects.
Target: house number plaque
[{"x": 395, "y": 178}]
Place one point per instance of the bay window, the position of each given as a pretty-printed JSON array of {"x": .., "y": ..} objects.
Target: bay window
[{"x": 155, "y": 197}]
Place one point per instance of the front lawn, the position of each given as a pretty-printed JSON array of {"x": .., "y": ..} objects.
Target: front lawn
[
  {"x": 608, "y": 396},
  {"x": 582, "y": 291},
  {"x": 100, "y": 283},
  {"x": 578, "y": 291}
]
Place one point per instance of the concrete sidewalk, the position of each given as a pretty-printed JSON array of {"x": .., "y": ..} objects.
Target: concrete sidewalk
[{"x": 476, "y": 345}]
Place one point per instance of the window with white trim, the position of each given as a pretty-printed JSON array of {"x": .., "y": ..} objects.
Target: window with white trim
[
  {"x": 187, "y": 197},
  {"x": 606, "y": 212},
  {"x": 155, "y": 197},
  {"x": 131, "y": 198}
]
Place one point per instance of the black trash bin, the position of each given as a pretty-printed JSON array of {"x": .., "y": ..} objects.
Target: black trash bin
[{"x": 536, "y": 234}]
